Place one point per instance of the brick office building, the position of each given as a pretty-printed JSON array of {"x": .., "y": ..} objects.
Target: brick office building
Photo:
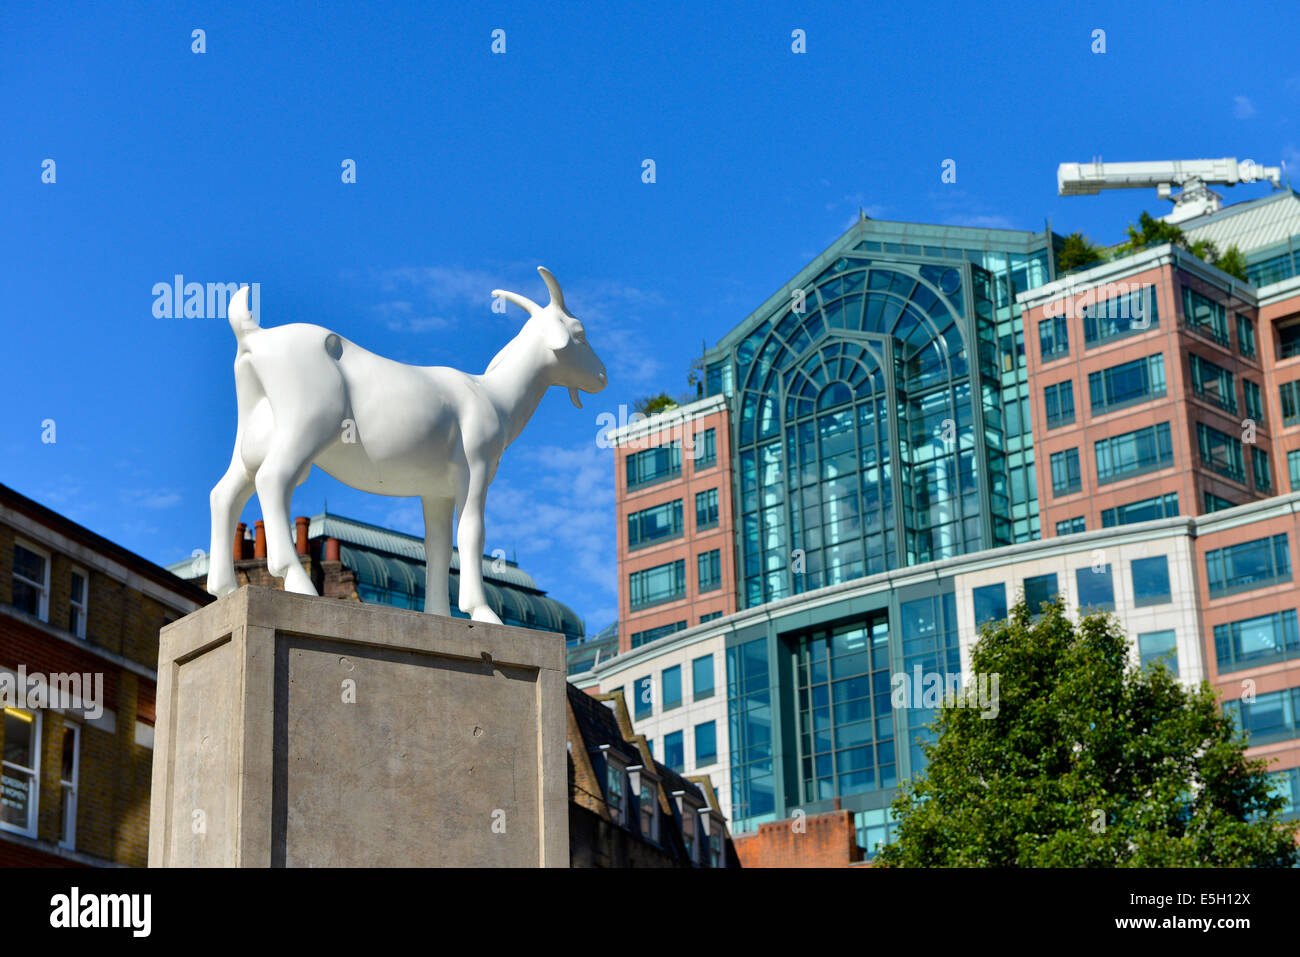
[
  {"x": 927, "y": 420},
  {"x": 77, "y": 751}
]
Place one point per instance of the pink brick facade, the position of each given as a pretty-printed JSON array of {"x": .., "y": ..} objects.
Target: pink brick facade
[{"x": 694, "y": 478}]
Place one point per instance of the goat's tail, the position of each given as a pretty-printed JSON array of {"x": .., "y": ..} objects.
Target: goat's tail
[{"x": 241, "y": 318}]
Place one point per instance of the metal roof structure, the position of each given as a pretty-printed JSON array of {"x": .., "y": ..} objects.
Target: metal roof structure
[{"x": 1256, "y": 224}]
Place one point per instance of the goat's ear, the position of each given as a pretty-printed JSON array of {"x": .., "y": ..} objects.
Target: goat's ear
[{"x": 555, "y": 334}]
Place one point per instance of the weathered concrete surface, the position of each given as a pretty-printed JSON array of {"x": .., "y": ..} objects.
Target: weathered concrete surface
[{"x": 309, "y": 732}]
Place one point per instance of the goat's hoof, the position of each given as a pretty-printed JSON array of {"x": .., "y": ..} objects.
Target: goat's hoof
[{"x": 484, "y": 613}]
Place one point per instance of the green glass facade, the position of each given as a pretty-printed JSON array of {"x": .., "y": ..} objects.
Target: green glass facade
[{"x": 880, "y": 420}]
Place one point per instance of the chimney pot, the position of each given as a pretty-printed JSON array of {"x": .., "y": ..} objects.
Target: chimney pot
[
  {"x": 302, "y": 523},
  {"x": 259, "y": 539}
]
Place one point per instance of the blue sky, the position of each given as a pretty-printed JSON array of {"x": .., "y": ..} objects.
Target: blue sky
[{"x": 472, "y": 168}]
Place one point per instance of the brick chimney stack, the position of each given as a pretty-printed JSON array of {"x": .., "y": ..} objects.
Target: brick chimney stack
[
  {"x": 238, "y": 549},
  {"x": 302, "y": 523},
  {"x": 259, "y": 539}
]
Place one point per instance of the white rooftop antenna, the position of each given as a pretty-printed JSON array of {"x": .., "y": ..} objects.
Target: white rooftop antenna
[{"x": 1192, "y": 177}]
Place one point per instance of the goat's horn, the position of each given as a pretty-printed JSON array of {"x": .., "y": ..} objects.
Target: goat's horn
[
  {"x": 552, "y": 284},
  {"x": 523, "y": 302}
]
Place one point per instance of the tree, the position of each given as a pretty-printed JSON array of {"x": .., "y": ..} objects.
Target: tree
[
  {"x": 655, "y": 403},
  {"x": 1088, "y": 762},
  {"x": 1233, "y": 263},
  {"x": 1154, "y": 232},
  {"x": 1077, "y": 251}
]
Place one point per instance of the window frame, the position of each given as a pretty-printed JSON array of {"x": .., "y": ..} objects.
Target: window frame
[
  {"x": 81, "y": 607},
  {"x": 1150, "y": 600},
  {"x": 68, "y": 790},
  {"x": 34, "y": 791},
  {"x": 43, "y": 589}
]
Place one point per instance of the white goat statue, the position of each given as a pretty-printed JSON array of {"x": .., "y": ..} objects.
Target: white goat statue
[{"x": 308, "y": 396}]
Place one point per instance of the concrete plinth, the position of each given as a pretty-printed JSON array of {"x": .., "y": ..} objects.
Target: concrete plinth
[{"x": 311, "y": 732}]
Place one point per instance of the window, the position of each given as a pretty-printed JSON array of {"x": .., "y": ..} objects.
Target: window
[
  {"x": 1220, "y": 453},
  {"x": 706, "y": 744},
  {"x": 1126, "y": 384},
  {"x": 671, "y": 684},
  {"x": 1147, "y": 510},
  {"x": 1096, "y": 589},
  {"x": 1150, "y": 581},
  {"x": 1133, "y": 453},
  {"x": 702, "y": 677},
  {"x": 649, "y": 801},
  {"x": 1270, "y": 717},
  {"x": 706, "y": 449},
  {"x": 845, "y": 711},
  {"x": 710, "y": 569},
  {"x": 1288, "y": 340},
  {"x": 1254, "y": 401},
  {"x": 1259, "y": 465},
  {"x": 1040, "y": 589},
  {"x": 1059, "y": 402},
  {"x": 1212, "y": 383},
  {"x": 1245, "y": 336},
  {"x": 69, "y": 769},
  {"x": 1154, "y": 646},
  {"x": 654, "y": 465},
  {"x": 1254, "y": 564},
  {"x": 706, "y": 509},
  {"x": 1125, "y": 315},
  {"x": 615, "y": 793},
  {"x": 1215, "y": 504},
  {"x": 654, "y": 586},
  {"x": 652, "y": 525},
  {"x": 31, "y": 592},
  {"x": 640, "y": 638},
  {"x": 990, "y": 603},
  {"x": 1065, "y": 472},
  {"x": 1257, "y": 641},
  {"x": 644, "y": 690},
  {"x": 77, "y": 602},
  {"x": 1053, "y": 338},
  {"x": 20, "y": 779},
  {"x": 689, "y": 825},
  {"x": 674, "y": 751},
  {"x": 1286, "y": 785},
  {"x": 1204, "y": 316},
  {"x": 1071, "y": 526},
  {"x": 710, "y": 616},
  {"x": 1290, "y": 395},
  {"x": 1293, "y": 469}
]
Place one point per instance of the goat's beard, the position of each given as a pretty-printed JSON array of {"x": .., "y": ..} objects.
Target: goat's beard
[{"x": 573, "y": 397}]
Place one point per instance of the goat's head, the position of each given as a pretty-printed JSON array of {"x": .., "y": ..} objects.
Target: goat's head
[{"x": 574, "y": 364}]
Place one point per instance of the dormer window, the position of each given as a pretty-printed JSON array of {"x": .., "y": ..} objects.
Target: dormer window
[
  {"x": 616, "y": 796},
  {"x": 645, "y": 786},
  {"x": 688, "y": 810}
]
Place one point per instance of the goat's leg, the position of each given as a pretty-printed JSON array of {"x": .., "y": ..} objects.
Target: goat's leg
[
  {"x": 228, "y": 498},
  {"x": 469, "y": 539},
  {"x": 284, "y": 468},
  {"x": 437, "y": 554}
]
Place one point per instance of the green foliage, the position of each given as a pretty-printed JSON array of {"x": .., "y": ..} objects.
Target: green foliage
[
  {"x": 655, "y": 403},
  {"x": 1154, "y": 232},
  {"x": 1089, "y": 762},
  {"x": 1077, "y": 251},
  {"x": 1233, "y": 263}
]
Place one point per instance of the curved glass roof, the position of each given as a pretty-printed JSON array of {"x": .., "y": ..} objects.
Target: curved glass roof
[{"x": 399, "y": 581}]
